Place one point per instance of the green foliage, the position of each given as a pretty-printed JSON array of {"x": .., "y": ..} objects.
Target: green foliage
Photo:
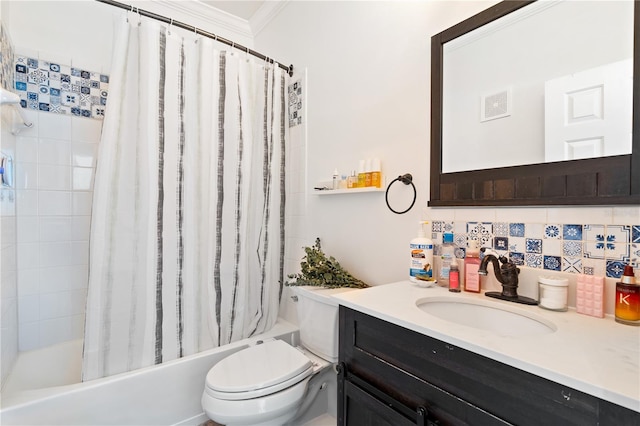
[{"x": 318, "y": 270}]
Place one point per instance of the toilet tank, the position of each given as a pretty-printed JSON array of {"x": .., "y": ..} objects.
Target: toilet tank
[{"x": 318, "y": 320}]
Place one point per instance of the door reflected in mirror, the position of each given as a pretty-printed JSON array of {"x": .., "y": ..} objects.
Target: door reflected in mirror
[{"x": 552, "y": 81}]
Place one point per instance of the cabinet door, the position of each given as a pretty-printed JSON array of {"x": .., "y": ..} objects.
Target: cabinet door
[{"x": 361, "y": 408}]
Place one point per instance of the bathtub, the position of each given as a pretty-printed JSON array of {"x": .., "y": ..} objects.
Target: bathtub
[{"x": 166, "y": 394}]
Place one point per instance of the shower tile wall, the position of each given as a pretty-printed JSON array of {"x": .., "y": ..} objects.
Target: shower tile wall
[
  {"x": 8, "y": 262},
  {"x": 54, "y": 181}
]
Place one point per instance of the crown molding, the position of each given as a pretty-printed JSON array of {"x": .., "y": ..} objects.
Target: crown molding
[
  {"x": 208, "y": 17},
  {"x": 267, "y": 12}
]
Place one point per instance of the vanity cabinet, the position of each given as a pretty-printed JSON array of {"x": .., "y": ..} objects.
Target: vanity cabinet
[{"x": 390, "y": 375}]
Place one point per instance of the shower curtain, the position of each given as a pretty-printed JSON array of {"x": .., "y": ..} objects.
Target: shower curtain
[{"x": 187, "y": 234}]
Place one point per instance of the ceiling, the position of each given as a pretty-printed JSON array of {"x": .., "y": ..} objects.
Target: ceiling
[{"x": 244, "y": 9}]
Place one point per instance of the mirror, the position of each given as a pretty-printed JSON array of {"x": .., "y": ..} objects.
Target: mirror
[{"x": 524, "y": 116}]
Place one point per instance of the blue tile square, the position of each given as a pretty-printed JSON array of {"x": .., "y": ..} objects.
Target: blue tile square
[
  {"x": 21, "y": 86},
  {"x": 103, "y": 101},
  {"x": 43, "y": 107},
  {"x": 516, "y": 229},
  {"x": 23, "y": 103},
  {"x": 21, "y": 68},
  {"x": 517, "y": 258},
  {"x": 75, "y": 72},
  {"x": 104, "y": 78},
  {"x": 54, "y": 67},
  {"x": 85, "y": 90},
  {"x": 76, "y": 111},
  {"x": 614, "y": 268},
  {"x": 552, "y": 263},
  {"x": 501, "y": 243},
  {"x": 533, "y": 260},
  {"x": 572, "y": 232},
  {"x": 32, "y": 96},
  {"x": 32, "y": 63},
  {"x": 572, "y": 248},
  {"x": 54, "y": 92},
  {"x": 635, "y": 233},
  {"x": 85, "y": 113},
  {"x": 85, "y": 74},
  {"x": 94, "y": 84},
  {"x": 533, "y": 245},
  {"x": 65, "y": 78},
  {"x": 552, "y": 231}
]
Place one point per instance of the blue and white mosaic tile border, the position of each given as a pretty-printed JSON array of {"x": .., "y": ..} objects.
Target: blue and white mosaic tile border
[
  {"x": 59, "y": 88},
  {"x": 295, "y": 103},
  {"x": 590, "y": 249}
]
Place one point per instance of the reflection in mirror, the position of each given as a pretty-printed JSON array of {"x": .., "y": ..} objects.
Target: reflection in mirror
[{"x": 551, "y": 81}]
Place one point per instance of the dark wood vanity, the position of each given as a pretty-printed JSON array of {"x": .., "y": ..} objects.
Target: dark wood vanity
[{"x": 389, "y": 375}]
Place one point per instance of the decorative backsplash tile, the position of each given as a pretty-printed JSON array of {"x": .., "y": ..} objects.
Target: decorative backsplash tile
[
  {"x": 59, "y": 88},
  {"x": 6, "y": 59},
  {"x": 295, "y": 103},
  {"x": 591, "y": 249}
]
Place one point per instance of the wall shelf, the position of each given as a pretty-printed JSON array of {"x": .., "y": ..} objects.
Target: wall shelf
[{"x": 347, "y": 191}]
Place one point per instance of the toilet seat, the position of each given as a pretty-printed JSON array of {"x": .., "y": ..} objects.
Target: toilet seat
[{"x": 257, "y": 371}]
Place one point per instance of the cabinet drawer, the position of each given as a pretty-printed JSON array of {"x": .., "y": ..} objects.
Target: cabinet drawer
[{"x": 412, "y": 367}]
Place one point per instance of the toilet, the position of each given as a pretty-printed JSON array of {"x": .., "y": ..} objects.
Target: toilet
[{"x": 269, "y": 383}]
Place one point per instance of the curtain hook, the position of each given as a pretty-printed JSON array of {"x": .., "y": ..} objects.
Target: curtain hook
[
  {"x": 195, "y": 30},
  {"x": 170, "y": 25}
]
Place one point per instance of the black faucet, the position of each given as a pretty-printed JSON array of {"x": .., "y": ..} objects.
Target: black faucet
[{"x": 507, "y": 275}]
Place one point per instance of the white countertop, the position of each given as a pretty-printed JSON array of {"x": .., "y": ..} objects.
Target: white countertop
[{"x": 597, "y": 356}]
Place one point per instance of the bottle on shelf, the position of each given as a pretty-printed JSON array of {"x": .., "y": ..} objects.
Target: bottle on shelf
[
  {"x": 376, "y": 173},
  {"x": 367, "y": 173},
  {"x": 421, "y": 258},
  {"x": 361, "y": 174}
]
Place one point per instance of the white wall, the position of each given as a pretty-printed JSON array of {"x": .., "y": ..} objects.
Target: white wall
[{"x": 368, "y": 92}]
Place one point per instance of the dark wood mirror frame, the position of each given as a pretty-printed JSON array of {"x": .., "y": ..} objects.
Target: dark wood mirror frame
[{"x": 596, "y": 181}]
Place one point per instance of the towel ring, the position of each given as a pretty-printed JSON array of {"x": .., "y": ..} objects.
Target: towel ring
[{"x": 407, "y": 179}]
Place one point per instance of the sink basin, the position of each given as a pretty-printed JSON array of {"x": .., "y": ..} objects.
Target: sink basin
[{"x": 487, "y": 315}]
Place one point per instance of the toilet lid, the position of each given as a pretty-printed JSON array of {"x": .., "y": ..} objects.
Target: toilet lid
[{"x": 258, "y": 367}]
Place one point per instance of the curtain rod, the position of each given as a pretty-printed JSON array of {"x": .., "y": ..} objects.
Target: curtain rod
[{"x": 196, "y": 30}]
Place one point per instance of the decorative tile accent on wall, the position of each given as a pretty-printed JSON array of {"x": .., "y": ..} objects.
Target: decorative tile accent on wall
[
  {"x": 6, "y": 59},
  {"x": 591, "y": 249},
  {"x": 295, "y": 103},
  {"x": 60, "y": 89}
]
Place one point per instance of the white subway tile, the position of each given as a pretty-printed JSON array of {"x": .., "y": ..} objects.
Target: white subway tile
[
  {"x": 28, "y": 229},
  {"x": 55, "y": 254},
  {"x": 79, "y": 277},
  {"x": 84, "y": 154},
  {"x": 82, "y": 178},
  {"x": 28, "y": 255},
  {"x": 26, "y": 175},
  {"x": 81, "y": 228},
  {"x": 51, "y": 305},
  {"x": 28, "y": 336},
  {"x": 26, "y": 149},
  {"x": 80, "y": 252},
  {"x": 28, "y": 308},
  {"x": 77, "y": 326},
  {"x": 54, "y": 126},
  {"x": 27, "y": 202},
  {"x": 54, "y": 178},
  {"x": 28, "y": 282},
  {"x": 55, "y": 278},
  {"x": 580, "y": 215},
  {"x": 85, "y": 130},
  {"x": 54, "y": 151},
  {"x": 82, "y": 203},
  {"x": 55, "y": 228},
  {"x": 54, "y": 203},
  {"x": 626, "y": 215}
]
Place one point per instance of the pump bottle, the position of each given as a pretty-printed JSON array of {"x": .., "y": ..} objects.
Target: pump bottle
[
  {"x": 421, "y": 258},
  {"x": 471, "y": 266}
]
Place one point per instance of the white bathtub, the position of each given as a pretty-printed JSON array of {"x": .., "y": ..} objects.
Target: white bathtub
[{"x": 166, "y": 394}]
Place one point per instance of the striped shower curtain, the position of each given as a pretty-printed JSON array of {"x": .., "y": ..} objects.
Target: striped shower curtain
[{"x": 187, "y": 233}]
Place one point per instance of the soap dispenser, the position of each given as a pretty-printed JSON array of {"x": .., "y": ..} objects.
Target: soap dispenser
[{"x": 421, "y": 259}]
